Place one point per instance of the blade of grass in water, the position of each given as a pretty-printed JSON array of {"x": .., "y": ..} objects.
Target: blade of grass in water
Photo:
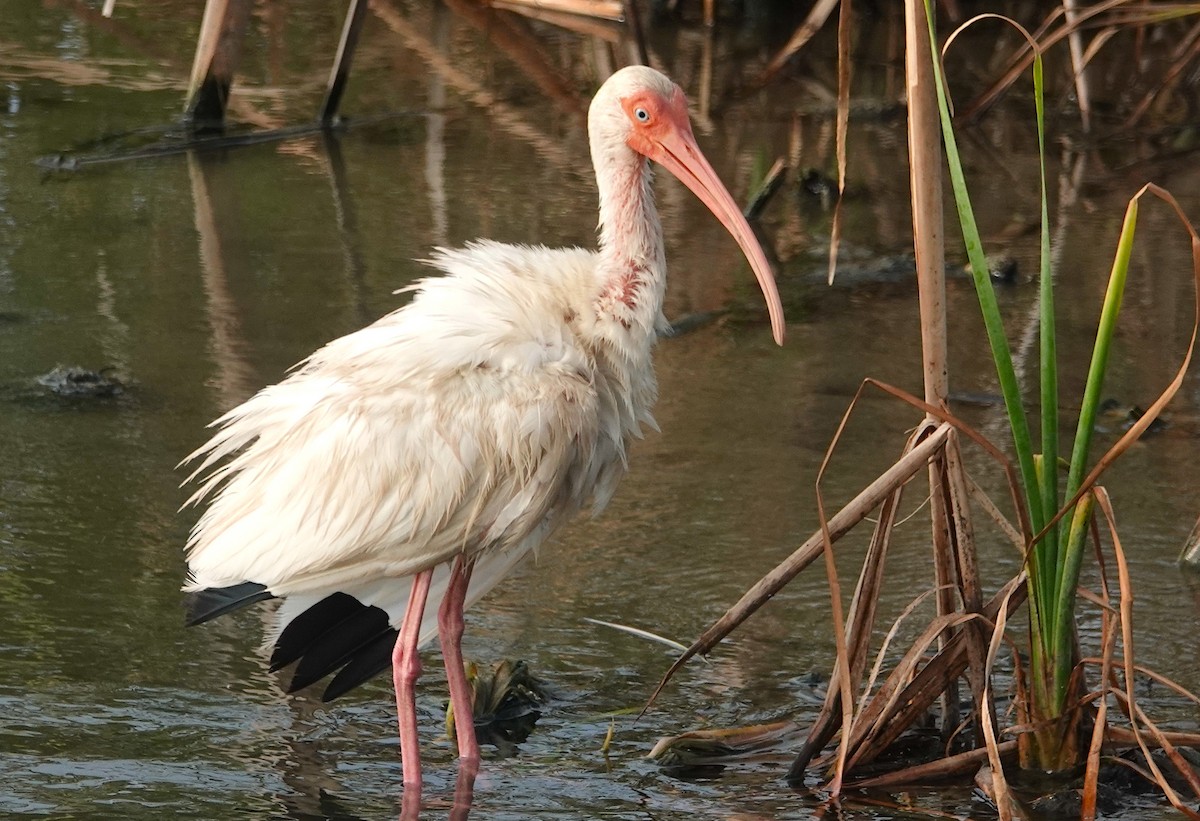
[
  {"x": 1048, "y": 549},
  {"x": 989, "y": 308},
  {"x": 1068, "y": 568}
]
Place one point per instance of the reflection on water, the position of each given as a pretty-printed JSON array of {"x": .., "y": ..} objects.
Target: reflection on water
[{"x": 201, "y": 278}]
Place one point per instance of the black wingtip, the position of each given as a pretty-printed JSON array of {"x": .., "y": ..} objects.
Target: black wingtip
[
  {"x": 302, "y": 632},
  {"x": 204, "y": 605},
  {"x": 339, "y": 645},
  {"x": 370, "y": 660}
]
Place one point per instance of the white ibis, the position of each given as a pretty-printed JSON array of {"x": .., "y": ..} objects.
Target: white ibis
[{"x": 419, "y": 459}]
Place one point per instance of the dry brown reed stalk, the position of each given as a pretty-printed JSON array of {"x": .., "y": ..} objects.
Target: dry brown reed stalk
[
  {"x": 1108, "y": 643},
  {"x": 843, "y": 126},
  {"x": 840, "y": 680},
  {"x": 603, "y": 9},
  {"x": 853, "y": 640},
  {"x": 1078, "y": 63},
  {"x": 952, "y": 533},
  {"x": 816, "y": 18},
  {"x": 504, "y": 115},
  {"x": 999, "y": 785},
  {"x": 1132, "y": 711},
  {"x": 512, "y": 37},
  {"x": 837, "y": 526},
  {"x": 1110, "y": 15},
  {"x": 1183, "y": 55},
  {"x": 950, "y": 767}
]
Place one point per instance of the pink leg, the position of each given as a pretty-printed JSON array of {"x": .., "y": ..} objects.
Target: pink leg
[
  {"x": 450, "y": 629},
  {"x": 406, "y": 667}
]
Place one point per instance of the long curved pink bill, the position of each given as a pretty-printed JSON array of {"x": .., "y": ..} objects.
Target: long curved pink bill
[{"x": 681, "y": 156}]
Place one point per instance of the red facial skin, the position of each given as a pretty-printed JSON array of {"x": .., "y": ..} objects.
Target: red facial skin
[{"x": 665, "y": 136}]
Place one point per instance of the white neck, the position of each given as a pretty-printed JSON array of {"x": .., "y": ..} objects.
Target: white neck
[{"x": 632, "y": 264}]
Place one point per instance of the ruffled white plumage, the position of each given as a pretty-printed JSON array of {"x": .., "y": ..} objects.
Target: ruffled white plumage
[{"x": 475, "y": 419}]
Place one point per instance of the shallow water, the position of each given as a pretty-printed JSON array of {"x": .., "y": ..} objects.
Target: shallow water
[{"x": 200, "y": 278}]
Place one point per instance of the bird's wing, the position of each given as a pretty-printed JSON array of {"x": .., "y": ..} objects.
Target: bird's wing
[{"x": 457, "y": 423}]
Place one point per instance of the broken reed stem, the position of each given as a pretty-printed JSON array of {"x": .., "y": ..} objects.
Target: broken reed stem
[
  {"x": 1078, "y": 63},
  {"x": 954, "y": 766},
  {"x": 925, "y": 183},
  {"x": 879, "y": 725},
  {"x": 841, "y": 523},
  {"x": 953, "y": 539},
  {"x": 1108, "y": 642},
  {"x": 770, "y": 186},
  {"x": 925, "y": 190},
  {"x": 816, "y": 18},
  {"x": 860, "y": 624},
  {"x": 1123, "y": 736},
  {"x": 603, "y": 9},
  {"x": 969, "y": 587}
]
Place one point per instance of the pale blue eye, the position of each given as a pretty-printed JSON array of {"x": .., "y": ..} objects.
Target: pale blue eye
[{"x": 642, "y": 115}]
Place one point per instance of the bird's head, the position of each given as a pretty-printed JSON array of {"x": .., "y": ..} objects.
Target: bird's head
[
  {"x": 634, "y": 109},
  {"x": 639, "y": 109}
]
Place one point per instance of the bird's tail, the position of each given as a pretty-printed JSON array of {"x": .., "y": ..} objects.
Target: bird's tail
[{"x": 350, "y": 631}]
